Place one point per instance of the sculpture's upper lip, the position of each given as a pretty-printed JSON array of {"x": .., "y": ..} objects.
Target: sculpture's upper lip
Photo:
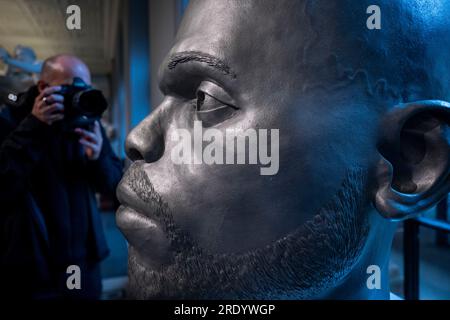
[
  {"x": 125, "y": 196},
  {"x": 125, "y": 193},
  {"x": 130, "y": 200}
]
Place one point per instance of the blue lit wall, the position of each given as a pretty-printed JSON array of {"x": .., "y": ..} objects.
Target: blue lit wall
[
  {"x": 119, "y": 96},
  {"x": 139, "y": 61},
  {"x": 183, "y": 5}
]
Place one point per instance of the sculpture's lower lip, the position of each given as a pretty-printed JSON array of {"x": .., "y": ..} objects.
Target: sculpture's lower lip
[
  {"x": 146, "y": 236},
  {"x": 128, "y": 219}
]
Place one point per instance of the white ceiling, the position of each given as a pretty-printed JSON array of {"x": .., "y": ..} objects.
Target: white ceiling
[{"x": 41, "y": 24}]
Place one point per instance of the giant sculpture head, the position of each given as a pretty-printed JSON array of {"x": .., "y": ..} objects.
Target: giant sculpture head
[{"x": 349, "y": 126}]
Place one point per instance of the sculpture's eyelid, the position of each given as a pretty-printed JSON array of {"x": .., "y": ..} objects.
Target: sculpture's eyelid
[{"x": 215, "y": 91}]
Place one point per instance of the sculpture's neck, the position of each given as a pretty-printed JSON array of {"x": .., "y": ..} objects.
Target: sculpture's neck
[
  {"x": 369, "y": 278},
  {"x": 362, "y": 284}
]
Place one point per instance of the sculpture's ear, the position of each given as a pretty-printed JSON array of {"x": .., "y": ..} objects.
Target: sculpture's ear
[{"x": 413, "y": 173}]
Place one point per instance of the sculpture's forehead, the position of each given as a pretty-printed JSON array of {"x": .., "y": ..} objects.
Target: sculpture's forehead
[
  {"x": 245, "y": 33},
  {"x": 226, "y": 20},
  {"x": 300, "y": 39}
]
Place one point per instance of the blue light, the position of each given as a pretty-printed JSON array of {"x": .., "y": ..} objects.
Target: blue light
[{"x": 184, "y": 4}]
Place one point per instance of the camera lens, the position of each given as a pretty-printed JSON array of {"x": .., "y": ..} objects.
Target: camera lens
[{"x": 92, "y": 103}]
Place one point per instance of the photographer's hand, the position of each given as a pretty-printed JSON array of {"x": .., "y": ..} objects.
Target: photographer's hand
[
  {"x": 92, "y": 141},
  {"x": 48, "y": 106}
]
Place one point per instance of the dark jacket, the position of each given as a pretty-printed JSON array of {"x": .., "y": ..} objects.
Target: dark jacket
[{"x": 48, "y": 212}]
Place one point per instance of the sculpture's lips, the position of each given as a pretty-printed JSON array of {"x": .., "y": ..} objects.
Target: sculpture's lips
[
  {"x": 126, "y": 191},
  {"x": 142, "y": 231}
]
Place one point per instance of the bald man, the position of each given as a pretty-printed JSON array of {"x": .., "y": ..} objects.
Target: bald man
[{"x": 48, "y": 180}]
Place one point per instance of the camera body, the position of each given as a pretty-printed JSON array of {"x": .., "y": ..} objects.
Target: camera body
[{"x": 83, "y": 105}]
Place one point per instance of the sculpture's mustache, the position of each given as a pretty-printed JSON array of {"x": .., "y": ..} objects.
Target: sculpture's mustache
[{"x": 140, "y": 184}]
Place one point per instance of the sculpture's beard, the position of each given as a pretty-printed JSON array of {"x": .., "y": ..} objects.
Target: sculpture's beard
[{"x": 302, "y": 265}]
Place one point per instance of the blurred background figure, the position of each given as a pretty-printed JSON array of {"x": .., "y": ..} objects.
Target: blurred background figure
[
  {"x": 54, "y": 156},
  {"x": 123, "y": 44}
]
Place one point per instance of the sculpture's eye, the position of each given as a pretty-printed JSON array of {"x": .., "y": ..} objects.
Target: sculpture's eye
[{"x": 213, "y": 104}]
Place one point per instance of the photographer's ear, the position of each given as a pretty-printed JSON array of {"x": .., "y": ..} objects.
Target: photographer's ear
[
  {"x": 413, "y": 173},
  {"x": 41, "y": 85}
]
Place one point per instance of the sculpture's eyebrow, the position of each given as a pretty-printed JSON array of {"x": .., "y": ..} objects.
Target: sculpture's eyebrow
[{"x": 197, "y": 56}]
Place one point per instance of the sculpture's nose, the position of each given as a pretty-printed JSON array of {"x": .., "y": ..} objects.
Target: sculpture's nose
[{"x": 146, "y": 141}]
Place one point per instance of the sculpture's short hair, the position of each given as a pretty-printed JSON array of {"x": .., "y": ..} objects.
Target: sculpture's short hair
[{"x": 407, "y": 58}]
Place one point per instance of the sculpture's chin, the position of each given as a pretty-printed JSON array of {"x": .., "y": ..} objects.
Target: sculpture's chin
[{"x": 302, "y": 265}]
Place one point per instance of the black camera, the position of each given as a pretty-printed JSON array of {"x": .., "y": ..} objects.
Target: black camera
[{"x": 83, "y": 105}]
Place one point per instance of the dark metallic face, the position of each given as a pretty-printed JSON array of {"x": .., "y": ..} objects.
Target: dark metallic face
[{"x": 208, "y": 230}]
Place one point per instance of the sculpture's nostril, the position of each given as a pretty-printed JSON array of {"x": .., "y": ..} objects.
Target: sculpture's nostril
[
  {"x": 146, "y": 141},
  {"x": 149, "y": 151},
  {"x": 134, "y": 154}
]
